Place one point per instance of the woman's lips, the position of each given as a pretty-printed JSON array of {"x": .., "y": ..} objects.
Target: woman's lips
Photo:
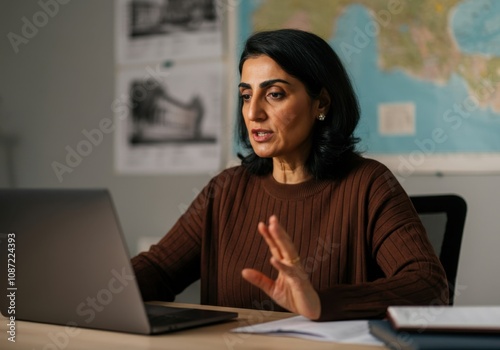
[{"x": 261, "y": 135}]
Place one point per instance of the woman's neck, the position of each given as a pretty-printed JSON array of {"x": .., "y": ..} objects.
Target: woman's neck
[{"x": 287, "y": 173}]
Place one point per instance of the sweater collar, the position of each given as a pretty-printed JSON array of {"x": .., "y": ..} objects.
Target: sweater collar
[{"x": 293, "y": 191}]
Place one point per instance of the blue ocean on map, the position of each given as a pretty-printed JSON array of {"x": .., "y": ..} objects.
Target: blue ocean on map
[
  {"x": 479, "y": 131},
  {"x": 476, "y": 27}
]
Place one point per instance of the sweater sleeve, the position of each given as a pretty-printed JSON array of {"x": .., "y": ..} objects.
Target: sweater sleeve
[
  {"x": 174, "y": 262},
  {"x": 398, "y": 243}
]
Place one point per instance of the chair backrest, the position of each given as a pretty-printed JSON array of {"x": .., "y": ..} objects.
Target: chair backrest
[{"x": 443, "y": 216}]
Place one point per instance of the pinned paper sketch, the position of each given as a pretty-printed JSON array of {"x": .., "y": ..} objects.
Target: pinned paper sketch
[
  {"x": 168, "y": 120},
  {"x": 148, "y": 30},
  {"x": 168, "y": 16},
  {"x": 159, "y": 117}
]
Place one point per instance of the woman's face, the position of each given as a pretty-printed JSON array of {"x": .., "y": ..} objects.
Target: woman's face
[{"x": 278, "y": 112}]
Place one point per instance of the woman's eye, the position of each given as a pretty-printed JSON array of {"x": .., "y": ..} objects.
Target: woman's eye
[
  {"x": 276, "y": 95},
  {"x": 245, "y": 97}
]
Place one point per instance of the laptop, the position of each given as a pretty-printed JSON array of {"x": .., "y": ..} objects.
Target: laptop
[{"x": 63, "y": 260}]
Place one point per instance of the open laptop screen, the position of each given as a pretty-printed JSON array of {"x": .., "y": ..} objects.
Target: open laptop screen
[{"x": 69, "y": 266}]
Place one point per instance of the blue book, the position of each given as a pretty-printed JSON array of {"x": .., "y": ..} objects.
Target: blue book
[{"x": 403, "y": 340}]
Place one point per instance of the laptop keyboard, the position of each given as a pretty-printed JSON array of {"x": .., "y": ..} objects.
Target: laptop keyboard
[
  {"x": 166, "y": 318},
  {"x": 165, "y": 315}
]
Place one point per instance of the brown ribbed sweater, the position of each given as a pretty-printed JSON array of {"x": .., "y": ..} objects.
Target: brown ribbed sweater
[{"x": 359, "y": 238}]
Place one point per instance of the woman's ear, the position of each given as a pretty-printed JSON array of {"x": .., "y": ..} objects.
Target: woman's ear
[{"x": 324, "y": 102}]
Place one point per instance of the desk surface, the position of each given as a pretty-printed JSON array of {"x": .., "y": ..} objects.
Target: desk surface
[{"x": 30, "y": 335}]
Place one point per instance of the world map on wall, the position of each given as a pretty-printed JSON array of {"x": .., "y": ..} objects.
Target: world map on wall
[{"x": 427, "y": 72}]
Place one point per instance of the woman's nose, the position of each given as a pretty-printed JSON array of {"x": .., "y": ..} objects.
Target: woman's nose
[{"x": 255, "y": 110}]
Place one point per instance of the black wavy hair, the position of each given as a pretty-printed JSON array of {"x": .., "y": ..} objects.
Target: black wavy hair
[{"x": 311, "y": 60}]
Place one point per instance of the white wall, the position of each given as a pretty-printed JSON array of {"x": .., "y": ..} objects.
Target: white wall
[
  {"x": 62, "y": 81},
  {"x": 478, "y": 272}
]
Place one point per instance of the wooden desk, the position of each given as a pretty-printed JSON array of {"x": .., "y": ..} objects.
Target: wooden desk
[{"x": 39, "y": 336}]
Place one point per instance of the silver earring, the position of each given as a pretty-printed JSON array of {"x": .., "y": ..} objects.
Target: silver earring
[{"x": 321, "y": 117}]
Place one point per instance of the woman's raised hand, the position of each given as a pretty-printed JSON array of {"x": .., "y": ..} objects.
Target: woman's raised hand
[{"x": 292, "y": 289}]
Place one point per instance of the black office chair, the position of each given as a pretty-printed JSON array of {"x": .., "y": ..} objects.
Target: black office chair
[{"x": 444, "y": 218}]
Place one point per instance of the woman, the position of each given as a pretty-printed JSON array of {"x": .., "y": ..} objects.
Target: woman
[{"x": 304, "y": 224}]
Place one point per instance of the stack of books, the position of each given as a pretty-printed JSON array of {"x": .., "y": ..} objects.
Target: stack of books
[{"x": 439, "y": 327}]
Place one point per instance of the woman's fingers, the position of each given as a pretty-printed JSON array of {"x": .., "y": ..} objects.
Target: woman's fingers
[
  {"x": 273, "y": 247},
  {"x": 293, "y": 271},
  {"x": 282, "y": 240},
  {"x": 259, "y": 280},
  {"x": 279, "y": 242}
]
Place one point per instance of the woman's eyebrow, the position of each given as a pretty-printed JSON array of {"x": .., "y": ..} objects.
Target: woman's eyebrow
[
  {"x": 244, "y": 85},
  {"x": 264, "y": 83},
  {"x": 272, "y": 81}
]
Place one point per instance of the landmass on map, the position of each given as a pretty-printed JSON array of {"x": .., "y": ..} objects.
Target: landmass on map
[{"x": 421, "y": 45}]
